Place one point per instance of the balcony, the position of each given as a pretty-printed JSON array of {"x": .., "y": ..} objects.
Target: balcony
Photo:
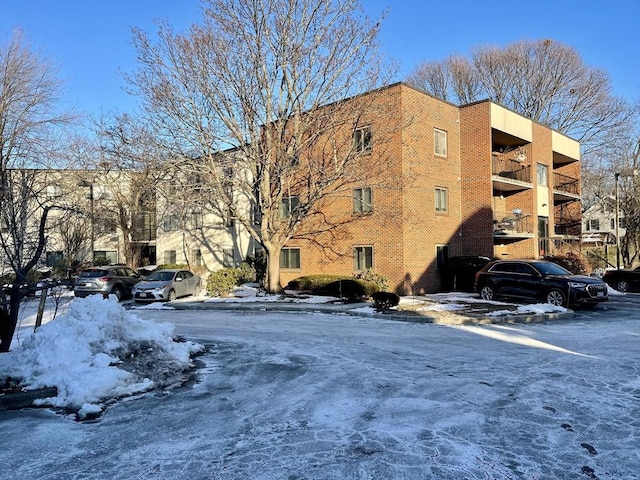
[
  {"x": 508, "y": 174},
  {"x": 565, "y": 188},
  {"x": 514, "y": 224}
]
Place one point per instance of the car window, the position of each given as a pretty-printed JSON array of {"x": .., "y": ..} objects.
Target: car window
[
  {"x": 159, "y": 276},
  {"x": 549, "y": 268},
  {"x": 506, "y": 267},
  {"x": 526, "y": 269},
  {"x": 94, "y": 273},
  {"x": 187, "y": 274}
]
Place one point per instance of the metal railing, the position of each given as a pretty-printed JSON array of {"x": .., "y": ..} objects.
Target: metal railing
[
  {"x": 512, "y": 223},
  {"x": 506, "y": 167},
  {"x": 566, "y": 184}
]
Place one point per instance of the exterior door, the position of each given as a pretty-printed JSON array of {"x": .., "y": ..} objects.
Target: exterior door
[{"x": 543, "y": 236}]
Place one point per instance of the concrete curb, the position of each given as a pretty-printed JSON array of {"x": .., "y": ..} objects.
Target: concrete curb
[{"x": 354, "y": 309}]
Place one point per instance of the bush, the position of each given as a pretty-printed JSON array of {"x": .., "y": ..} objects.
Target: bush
[
  {"x": 224, "y": 281},
  {"x": 101, "y": 261},
  {"x": 572, "y": 262},
  {"x": 350, "y": 289},
  {"x": 383, "y": 301},
  {"x": 171, "y": 266},
  {"x": 246, "y": 273},
  {"x": 313, "y": 283},
  {"x": 371, "y": 276},
  {"x": 259, "y": 265}
]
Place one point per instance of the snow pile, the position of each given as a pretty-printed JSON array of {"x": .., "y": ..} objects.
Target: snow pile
[
  {"x": 95, "y": 352},
  {"x": 442, "y": 307},
  {"x": 538, "y": 308},
  {"x": 250, "y": 292}
]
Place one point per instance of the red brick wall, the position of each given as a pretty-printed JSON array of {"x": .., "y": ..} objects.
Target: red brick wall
[
  {"x": 404, "y": 171},
  {"x": 477, "y": 217}
]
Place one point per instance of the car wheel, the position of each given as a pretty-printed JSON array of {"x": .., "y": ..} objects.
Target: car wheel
[
  {"x": 557, "y": 297},
  {"x": 117, "y": 291},
  {"x": 622, "y": 286},
  {"x": 172, "y": 295},
  {"x": 487, "y": 293}
]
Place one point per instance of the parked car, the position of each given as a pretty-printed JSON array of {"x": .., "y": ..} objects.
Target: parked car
[
  {"x": 114, "y": 279},
  {"x": 624, "y": 280},
  {"x": 166, "y": 285},
  {"x": 539, "y": 280}
]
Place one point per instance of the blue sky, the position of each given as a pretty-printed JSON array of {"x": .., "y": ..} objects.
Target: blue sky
[{"x": 90, "y": 40}]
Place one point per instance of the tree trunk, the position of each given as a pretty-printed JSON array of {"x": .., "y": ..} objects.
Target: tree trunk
[{"x": 273, "y": 270}]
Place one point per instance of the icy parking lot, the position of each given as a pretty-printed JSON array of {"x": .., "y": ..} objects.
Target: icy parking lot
[{"x": 304, "y": 395}]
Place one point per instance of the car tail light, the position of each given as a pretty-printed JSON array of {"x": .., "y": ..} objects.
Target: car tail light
[{"x": 104, "y": 279}]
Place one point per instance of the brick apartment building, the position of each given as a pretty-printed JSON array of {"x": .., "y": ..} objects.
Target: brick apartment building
[
  {"x": 439, "y": 181},
  {"x": 432, "y": 181}
]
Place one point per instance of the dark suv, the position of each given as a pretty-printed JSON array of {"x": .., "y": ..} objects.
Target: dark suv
[
  {"x": 114, "y": 279},
  {"x": 539, "y": 280}
]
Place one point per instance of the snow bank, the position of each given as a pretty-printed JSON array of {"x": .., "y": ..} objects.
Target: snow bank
[{"x": 95, "y": 352}]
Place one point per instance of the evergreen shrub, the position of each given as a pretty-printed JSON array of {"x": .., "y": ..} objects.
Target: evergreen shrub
[
  {"x": 222, "y": 282},
  {"x": 351, "y": 289},
  {"x": 383, "y": 301},
  {"x": 313, "y": 283}
]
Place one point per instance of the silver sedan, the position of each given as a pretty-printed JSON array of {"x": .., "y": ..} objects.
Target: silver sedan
[{"x": 166, "y": 285}]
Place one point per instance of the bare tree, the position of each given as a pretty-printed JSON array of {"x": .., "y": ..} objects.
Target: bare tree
[
  {"x": 627, "y": 169},
  {"x": 543, "y": 80},
  {"x": 30, "y": 141},
  {"x": 124, "y": 169},
  {"x": 252, "y": 95}
]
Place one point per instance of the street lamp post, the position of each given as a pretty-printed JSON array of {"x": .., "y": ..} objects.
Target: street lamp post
[{"x": 627, "y": 172}]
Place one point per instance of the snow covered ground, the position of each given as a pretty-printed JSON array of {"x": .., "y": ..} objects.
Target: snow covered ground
[{"x": 308, "y": 395}]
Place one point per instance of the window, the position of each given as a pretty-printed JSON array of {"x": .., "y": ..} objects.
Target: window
[
  {"x": 107, "y": 257},
  {"x": 53, "y": 258},
  {"x": 290, "y": 258},
  {"x": 170, "y": 257},
  {"x": 229, "y": 218},
  {"x": 543, "y": 175},
  {"x": 442, "y": 200},
  {"x": 362, "y": 139},
  {"x": 54, "y": 191},
  {"x": 362, "y": 258},
  {"x": 227, "y": 258},
  {"x": 256, "y": 215},
  {"x": 171, "y": 223},
  {"x": 442, "y": 255},
  {"x": 440, "y": 142},
  {"x": 622, "y": 224},
  {"x": 362, "y": 200},
  {"x": 195, "y": 220},
  {"x": 196, "y": 257},
  {"x": 105, "y": 226},
  {"x": 593, "y": 224},
  {"x": 288, "y": 206},
  {"x": 194, "y": 181}
]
